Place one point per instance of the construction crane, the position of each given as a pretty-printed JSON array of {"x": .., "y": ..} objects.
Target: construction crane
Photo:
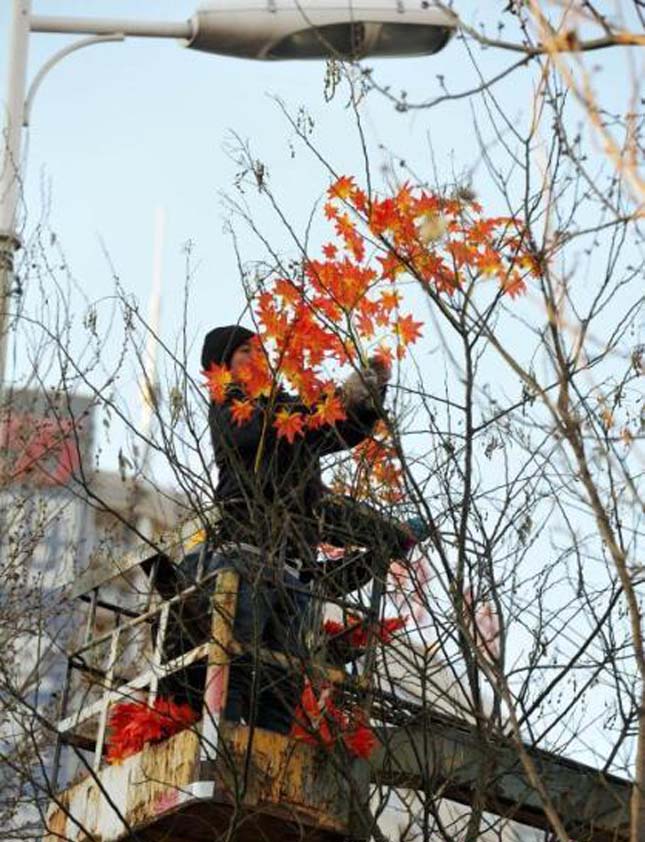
[{"x": 219, "y": 777}]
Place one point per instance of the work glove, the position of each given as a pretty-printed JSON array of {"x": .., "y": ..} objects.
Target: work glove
[
  {"x": 382, "y": 369},
  {"x": 366, "y": 384}
]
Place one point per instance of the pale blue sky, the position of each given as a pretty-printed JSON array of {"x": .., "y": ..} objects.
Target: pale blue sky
[{"x": 119, "y": 129}]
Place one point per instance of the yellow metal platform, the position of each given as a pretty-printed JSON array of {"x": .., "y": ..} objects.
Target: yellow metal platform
[{"x": 268, "y": 787}]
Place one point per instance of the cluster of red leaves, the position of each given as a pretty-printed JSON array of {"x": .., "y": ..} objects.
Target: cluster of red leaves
[
  {"x": 318, "y": 721},
  {"x": 378, "y": 466},
  {"x": 334, "y": 312},
  {"x": 441, "y": 242},
  {"x": 259, "y": 377},
  {"x": 132, "y": 725},
  {"x": 339, "y": 309},
  {"x": 377, "y": 474},
  {"x": 356, "y": 634}
]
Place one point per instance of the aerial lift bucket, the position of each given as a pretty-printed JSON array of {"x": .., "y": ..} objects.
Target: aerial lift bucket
[{"x": 213, "y": 777}]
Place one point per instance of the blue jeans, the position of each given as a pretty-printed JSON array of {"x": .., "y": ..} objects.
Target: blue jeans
[{"x": 272, "y": 613}]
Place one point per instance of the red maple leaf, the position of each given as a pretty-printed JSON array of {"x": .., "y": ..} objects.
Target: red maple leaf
[
  {"x": 342, "y": 188},
  {"x": 327, "y": 412},
  {"x": 357, "y": 634},
  {"x": 132, "y": 725},
  {"x": 218, "y": 378},
  {"x": 330, "y": 251},
  {"x": 361, "y": 741},
  {"x": 289, "y": 424},
  {"x": 408, "y": 330},
  {"x": 333, "y": 627},
  {"x": 241, "y": 411},
  {"x": 310, "y": 724},
  {"x": 390, "y": 625}
]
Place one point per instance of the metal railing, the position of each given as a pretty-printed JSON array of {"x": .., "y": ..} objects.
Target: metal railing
[{"x": 97, "y": 673}]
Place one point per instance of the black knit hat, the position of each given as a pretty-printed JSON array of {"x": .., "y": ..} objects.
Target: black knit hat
[{"x": 221, "y": 343}]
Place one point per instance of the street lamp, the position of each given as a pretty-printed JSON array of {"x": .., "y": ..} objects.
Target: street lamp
[{"x": 257, "y": 29}]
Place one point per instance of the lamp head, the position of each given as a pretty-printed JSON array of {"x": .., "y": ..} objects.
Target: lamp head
[{"x": 318, "y": 29}]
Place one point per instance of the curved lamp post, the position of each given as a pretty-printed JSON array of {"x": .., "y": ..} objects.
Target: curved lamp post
[{"x": 255, "y": 29}]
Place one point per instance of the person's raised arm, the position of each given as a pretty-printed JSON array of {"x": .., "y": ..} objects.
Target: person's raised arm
[{"x": 362, "y": 394}]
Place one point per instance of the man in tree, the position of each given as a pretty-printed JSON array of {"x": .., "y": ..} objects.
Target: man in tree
[{"x": 269, "y": 492}]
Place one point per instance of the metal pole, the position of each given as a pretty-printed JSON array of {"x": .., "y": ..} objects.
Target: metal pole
[
  {"x": 10, "y": 175},
  {"x": 22, "y": 23},
  {"x": 108, "y": 26}
]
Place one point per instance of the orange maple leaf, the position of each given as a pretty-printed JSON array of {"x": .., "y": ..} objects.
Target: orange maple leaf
[
  {"x": 365, "y": 325},
  {"x": 390, "y": 299},
  {"x": 289, "y": 424},
  {"x": 241, "y": 411},
  {"x": 305, "y": 381},
  {"x": 359, "y": 200},
  {"x": 489, "y": 262},
  {"x": 218, "y": 378},
  {"x": 255, "y": 376},
  {"x": 461, "y": 252},
  {"x": 403, "y": 198},
  {"x": 330, "y": 251},
  {"x": 391, "y": 266},
  {"x": 407, "y": 330},
  {"x": 328, "y": 411},
  {"x": 428, "y": 203},
  {"x": 342, "y": 188},
  {"x": 272, "y": 319},
  {"x": 331, "y": 212},
  {"x": 383, "y": 355},
  {"x": 383, "y": 215},
  {"x": 287, "y": 290},
  {"x": 481, "y": 230},
  {"x": 353, "y": 240},
  {"x": 513, "y": 285}
]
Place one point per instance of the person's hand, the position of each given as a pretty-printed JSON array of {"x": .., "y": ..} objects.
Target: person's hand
[
  {"x": 358, "y": 387},
  {"x": 381, "y": 368},
  {"x": 364, "y": 385}
]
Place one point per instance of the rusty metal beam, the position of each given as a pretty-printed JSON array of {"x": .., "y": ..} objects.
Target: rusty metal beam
[{"x": 448, "y": 758}]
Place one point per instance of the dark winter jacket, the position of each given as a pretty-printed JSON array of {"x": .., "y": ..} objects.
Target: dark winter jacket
[{"x": 270, "y": 489}]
